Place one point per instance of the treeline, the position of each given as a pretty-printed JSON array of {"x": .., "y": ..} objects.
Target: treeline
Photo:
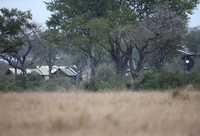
[
  {"x": 123, "y": 35},
  {"x": 106, "y": 80}
]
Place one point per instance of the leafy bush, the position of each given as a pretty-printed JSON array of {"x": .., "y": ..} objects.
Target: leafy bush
[
  {"x": 192, "y": 78},
  {"x": 36, "y": 82},
  {"x": 5, "y": 83},
  {"x": 106, "y": 78},
  {"x": 92, "y": 85},
  {"x": 157, "y": 79},
  {"x": 163, "y": 79},
  {"x": 55, "y": 84}
]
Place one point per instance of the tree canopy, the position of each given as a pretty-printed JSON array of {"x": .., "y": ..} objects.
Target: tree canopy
[
  {"x": 90, "y": 23},
  {"x": 16, "y": 39}
]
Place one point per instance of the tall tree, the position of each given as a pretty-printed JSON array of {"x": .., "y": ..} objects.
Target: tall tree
[
  {"x": 49, "y": 52},
  {"x": 121, "y": 50},
  {"x": 154, "y": 33},
  {"x": 193, "y": 40},
  {"x": 16, "y": 39},
  {"x": 87, "y": 25},
  {"x": 82, "y": 24},
  {"x": 118, "y": 14}
]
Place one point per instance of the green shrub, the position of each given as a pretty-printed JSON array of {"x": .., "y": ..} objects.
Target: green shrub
[
  {"x": 107, "y": 78},
  {"x": 55, "y": 84},
  {"x": 157, "y": 79},
  {"x": 163, "y": 79},
  {"x": 35, "y": 81},
  {"x": 92, "y": 85},
  {"x": 5, "y": 83},
  {"x": 192, "y": 78}
]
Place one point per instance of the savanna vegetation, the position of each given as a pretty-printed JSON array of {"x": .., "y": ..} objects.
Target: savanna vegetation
[
  {"x": 116, "y": 41},
  {"x": 173, "y": 113},
  {"x": 138, "y": 83}
]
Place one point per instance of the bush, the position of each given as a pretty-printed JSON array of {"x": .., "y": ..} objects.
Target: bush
[
  {"x": 5, "y": 83},
  {"x": 55, "y": 84},
  {"x": 192, "y": 78},
  {"x": 163, "y": 79},
  {"x": 157, "y": 79},
  {"x": 92, "y": 85},
  {"x": 36, "y": 82},
  {"x": 107, "y": 78}
]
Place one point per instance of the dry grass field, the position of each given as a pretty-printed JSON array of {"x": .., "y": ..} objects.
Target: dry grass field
[{"x": 100, "y": 114}]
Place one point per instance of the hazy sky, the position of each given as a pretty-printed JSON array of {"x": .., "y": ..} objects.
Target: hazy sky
[{"x": 40, "y": 13}]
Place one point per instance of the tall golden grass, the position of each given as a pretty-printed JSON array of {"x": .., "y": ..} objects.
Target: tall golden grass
[{"x": 175, "y": 113}]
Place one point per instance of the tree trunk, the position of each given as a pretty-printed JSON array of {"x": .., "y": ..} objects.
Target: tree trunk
[
  {"x": 15, "y": 71},
  {"x": 77, "y": 79},
  {"x": 121, "y": 67},
  {"x": 91, "y": 62},
  {"x": 25, "y": 79},
  {"x": 80, "y": 69},
  {"x": 135, "y": 72},
  {"x": 92, "y": 67},
  {"x": 50, "y": 69}
]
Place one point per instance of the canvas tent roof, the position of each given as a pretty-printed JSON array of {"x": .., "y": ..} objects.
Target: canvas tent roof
[
  {"x": 12, "y": 70},
  {"x": 44, "y": 70},
  {"x": 72, "y": 71},
  {"x": 187, "y": 53},
  {"x": 68, "y": 71}
]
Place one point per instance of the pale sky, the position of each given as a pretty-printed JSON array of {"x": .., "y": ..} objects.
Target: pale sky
[
  {"x": 40, "y": 13},
  {"x": 37, "y": 8}
]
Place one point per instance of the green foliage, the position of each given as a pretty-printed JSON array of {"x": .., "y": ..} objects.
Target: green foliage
[
  {"x": 36, "y": 82},
  {"x": 88, "y": 24},
  {"x": 5, "y": 83},
  {"x": 162, "y": 79},
  {"x": 12, "y": 23},
  {"x": 92, "y": 85},
  {"x": 86, "y": 33},
  {"x": 192, "y": 78},
  {"x": 157, "y": 79},
  {"x": 107, "y": 79},
  {"x": 193, "y": 40}
]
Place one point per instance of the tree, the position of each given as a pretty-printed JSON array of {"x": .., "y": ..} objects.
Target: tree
[
  {"x": 137, "y": 12},
  {"x": 155, "y": 33},
  {"x": 87, "y": 34},
  {"x": 193, "y": 40},
  {"x": 88, "y": 25},
  {"x": 16, "y": 39},
  {"x": 49, "y": 49},
  {"x": 118, "y": 15},
  {"x": 164, "y": 54},
  {"x": 79, "y": 60},
  {"x": 64, "y": 11}
]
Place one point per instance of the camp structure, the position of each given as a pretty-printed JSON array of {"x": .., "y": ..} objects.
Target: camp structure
[
  {"x": 65, "y": 72},
  {"x": 44, "y": 71},
  {"x": 13, "y": 71},
  {"x": 57, "y": 71},
  {"x": 188, "y": 59}
]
